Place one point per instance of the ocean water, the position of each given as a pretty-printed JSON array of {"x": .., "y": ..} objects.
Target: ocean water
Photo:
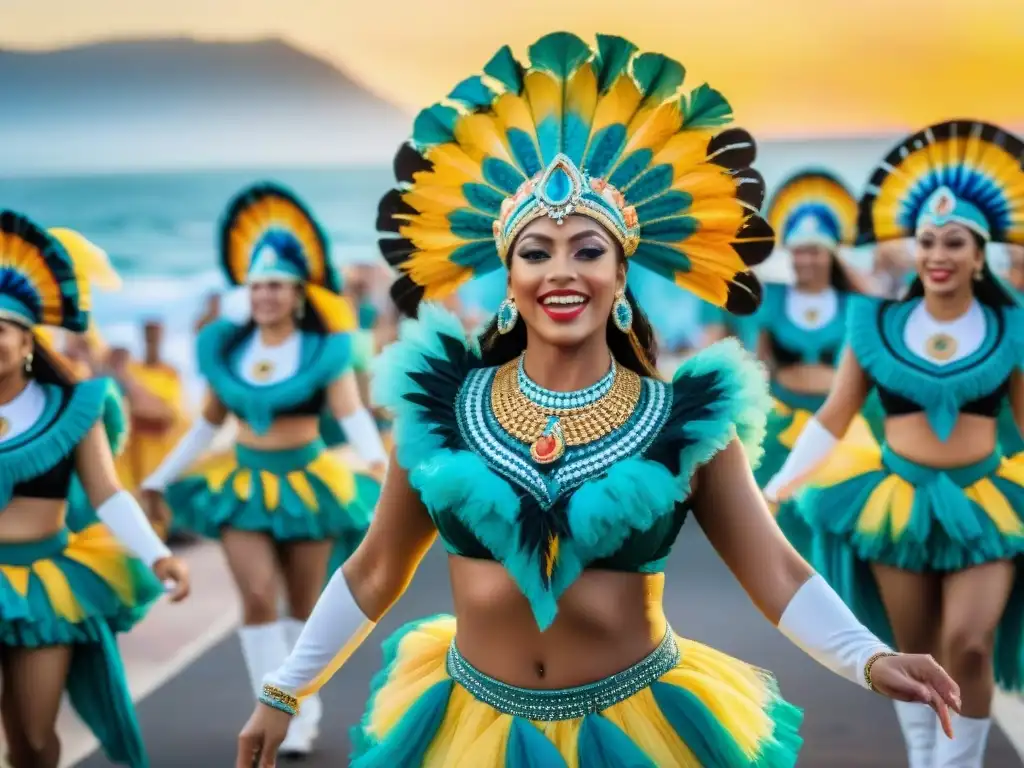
[{"x": 159, "y": 229}]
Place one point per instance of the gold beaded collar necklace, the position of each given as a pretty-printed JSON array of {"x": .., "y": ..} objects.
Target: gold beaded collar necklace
[{"x": 549, "y": 421}]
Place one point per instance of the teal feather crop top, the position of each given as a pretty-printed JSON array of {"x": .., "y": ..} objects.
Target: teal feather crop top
[
  {"x": 978, "y": 383},
  {"x": 617, "y": 503},
  {"x": 323, "y": 359},
  {"x": 39, "y": 463},
  {"x": 792, "y": 344}
]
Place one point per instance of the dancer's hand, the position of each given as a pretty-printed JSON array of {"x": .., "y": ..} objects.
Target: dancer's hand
[
  {"x": 171, "y": 570},
  {"x": 916, "y": 677},
  {"x": 260, "y": 738}
]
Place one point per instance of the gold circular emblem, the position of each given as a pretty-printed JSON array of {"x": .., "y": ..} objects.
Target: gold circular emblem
[
  {"x": 941, "y": 346},
  {"x": 262, "y": 370},
  {"x": 811, "y": 315},
  {"x": 5, "y": 426}
]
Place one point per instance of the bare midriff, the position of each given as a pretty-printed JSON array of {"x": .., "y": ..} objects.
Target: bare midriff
[
  {"x": 806, "y": 379},
  {"x": 285, "y": 433},
  {"x": 607, "y": 622},
  {"x": 26, "y": 519},
  {"x": 912, "y": 437}
]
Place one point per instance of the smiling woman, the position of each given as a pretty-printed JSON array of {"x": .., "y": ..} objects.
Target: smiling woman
[
  {"x": 559, "y": 473},
  {"x": 925, "y": 537}
]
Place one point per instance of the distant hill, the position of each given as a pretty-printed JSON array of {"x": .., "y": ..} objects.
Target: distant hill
[{"x": 184, "y": 103}]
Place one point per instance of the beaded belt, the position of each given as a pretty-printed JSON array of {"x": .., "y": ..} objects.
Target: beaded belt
[{"x": 564, "y": 703}]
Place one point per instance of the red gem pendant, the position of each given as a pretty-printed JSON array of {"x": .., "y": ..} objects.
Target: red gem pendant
[{"x": 548, "y": 447}]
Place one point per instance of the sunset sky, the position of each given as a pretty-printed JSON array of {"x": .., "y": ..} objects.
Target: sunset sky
[{"x": 792, "y": 68}]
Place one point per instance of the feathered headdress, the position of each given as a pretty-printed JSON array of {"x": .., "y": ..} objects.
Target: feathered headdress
[
  {"x": 268, "y": 234},
  {"x": 602, "y": 132},
  {"x": 961, "y": 171},
  {"x": 38, "y": 283},
  {"x": 813, "y": 207}
]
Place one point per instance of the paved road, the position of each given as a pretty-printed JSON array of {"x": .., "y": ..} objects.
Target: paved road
[{"x": 193, "y": 719}]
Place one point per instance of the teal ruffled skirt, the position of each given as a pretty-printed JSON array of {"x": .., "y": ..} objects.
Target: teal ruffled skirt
[
  {"x": 300, "y": 494},
  {"x": 787, "y": 419},
  {"x": 874, "y": 506},
  {"x": 79, "y": 589},
  {"x": 685, "y": 705}
]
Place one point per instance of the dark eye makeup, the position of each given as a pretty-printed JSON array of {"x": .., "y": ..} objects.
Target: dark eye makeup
[
  {"x": 590, "y": 252},
  {"x": 532, "y": 254}
]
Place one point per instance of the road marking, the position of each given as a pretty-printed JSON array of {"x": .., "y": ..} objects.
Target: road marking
[{"x": 157, "y": 650}]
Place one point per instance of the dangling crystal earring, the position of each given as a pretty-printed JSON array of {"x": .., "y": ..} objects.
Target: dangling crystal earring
[
  {"x": 622, "y": 313},
  {"x": 28, "y": 363},
  {"x": 508, "y": 315},
  {"x": 300, "y": 310},
  {"x": 979, "y": 274}
]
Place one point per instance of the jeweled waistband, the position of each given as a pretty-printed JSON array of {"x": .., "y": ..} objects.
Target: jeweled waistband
[
  {"x": 920, "y": 474},
  {"x": 282, "y": 460},
  {"x": 802, "y": 401},
  {"x": 564, "y": 703},
  {"x": 25, "y": 553}
]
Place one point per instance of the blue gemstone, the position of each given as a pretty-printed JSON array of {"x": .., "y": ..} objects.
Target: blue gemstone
[{"x": 558, "y": 187}]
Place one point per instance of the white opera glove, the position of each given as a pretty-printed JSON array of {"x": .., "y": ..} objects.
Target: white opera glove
[
  {"x": 811, "y": 450},
  {"x": 335, "y": 628},
  {"x": 124, "y": 517},
  {"x": 819, "y": 623},
  {"x": 189, "y": 448},
  {"x": 361, "y": 431}
]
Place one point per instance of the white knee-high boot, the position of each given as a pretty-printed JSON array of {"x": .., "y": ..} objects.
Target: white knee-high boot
[
  {"x": 919, "y": 725},
  {"x": 967, "y": 747},
  {"x": 307, "y": 722},
  {"x": 264, "y": 648}
]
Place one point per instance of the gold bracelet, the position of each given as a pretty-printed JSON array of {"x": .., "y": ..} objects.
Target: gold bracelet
[
  {"x": 871, "y": 662},
  {"x": 280, "y": 699}
]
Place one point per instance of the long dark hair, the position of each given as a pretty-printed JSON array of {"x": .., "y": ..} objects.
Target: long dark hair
[
  {"x": 49, "y": 366},
  {"x": 989, "y": 290},
  {"x": 637, "y": 350},
  {"x": 844, "y": 279}
]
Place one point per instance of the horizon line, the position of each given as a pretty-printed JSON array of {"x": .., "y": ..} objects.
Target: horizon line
[{"x": 87, "y": 42}]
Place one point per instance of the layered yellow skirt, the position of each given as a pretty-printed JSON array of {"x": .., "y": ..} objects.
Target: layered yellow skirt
[{"x": 686, "y": 705}]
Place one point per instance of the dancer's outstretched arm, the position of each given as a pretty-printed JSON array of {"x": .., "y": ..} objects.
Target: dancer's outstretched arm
[
  {"x": 799, "y": 602},
  {"x": 823, "y": 432},
  {"x": 357, "y": 596}
]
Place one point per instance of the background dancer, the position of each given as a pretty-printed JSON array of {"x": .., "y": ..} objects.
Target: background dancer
[
  {"x": 802, "y": 328},
  {"x": 280, "y": 500},
  {"x": 924, "y": 539},
  {"x": 63, "y": 594}
]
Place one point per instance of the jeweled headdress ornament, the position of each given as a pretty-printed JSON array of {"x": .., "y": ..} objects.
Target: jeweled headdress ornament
[
  {"x": 268, "y": 234},
  {"x": 962, "y": 171},
  {"x": 38, "y": 283},
  {"x": 602, "y": 132},
  {"x": 813, "y": 207}
]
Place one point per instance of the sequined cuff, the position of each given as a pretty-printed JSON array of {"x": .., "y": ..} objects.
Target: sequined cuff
[{"x": 279, "y": 699}]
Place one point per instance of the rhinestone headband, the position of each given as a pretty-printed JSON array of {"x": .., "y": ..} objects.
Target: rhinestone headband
[{"x": 562, "y": 190}]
